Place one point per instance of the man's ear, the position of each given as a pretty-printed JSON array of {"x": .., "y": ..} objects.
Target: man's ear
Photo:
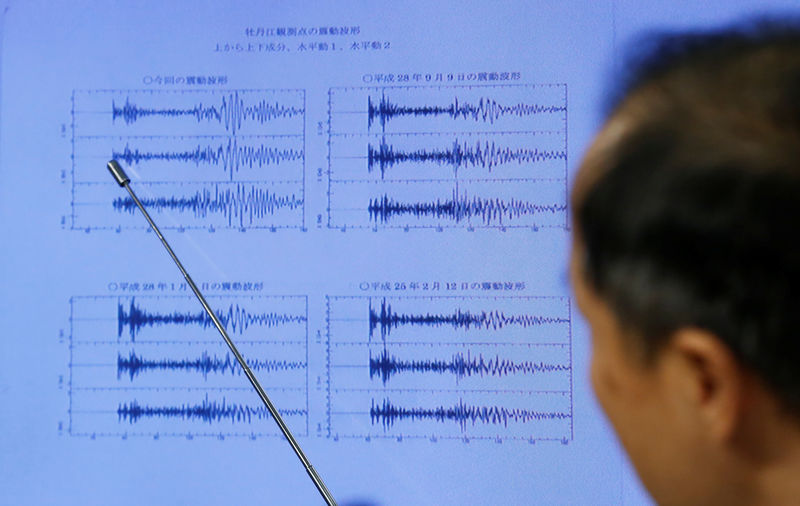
[{"x": 710, "y": 380}]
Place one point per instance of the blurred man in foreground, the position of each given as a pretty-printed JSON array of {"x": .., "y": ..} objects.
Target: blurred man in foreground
[{"x": 686, "y": 264}]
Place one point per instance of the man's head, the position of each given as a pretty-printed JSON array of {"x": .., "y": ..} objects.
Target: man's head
[{"x": 686, "y": 262}]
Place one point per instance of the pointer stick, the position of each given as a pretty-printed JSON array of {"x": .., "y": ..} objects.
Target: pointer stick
[{"x": 123, "y": 180}]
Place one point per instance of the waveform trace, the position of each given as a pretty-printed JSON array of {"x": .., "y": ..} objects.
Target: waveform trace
[
  {"x": 461, "y": 365},
  {"x": 205, "y": 364},
  {"x": 385, "y": 319},
  {"x": 231, "y": 111},
  {"x": 232, "y": 155},
  {"x": 460, "y": 155},
  {"x": 241, "y": 205},
  {"x": 209, "y": 411},
  {"x": 484, "y": 109},
  {"x": 236, "y": 319},
  {"x": 461, "y": 207},
  {"x": 387, "y": 414}
]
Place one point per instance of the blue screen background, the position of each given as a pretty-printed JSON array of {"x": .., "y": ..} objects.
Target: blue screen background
[{"x": 373, "y": 196}]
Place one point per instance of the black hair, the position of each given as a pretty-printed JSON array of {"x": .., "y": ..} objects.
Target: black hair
[{"x": 694, "y": 218}]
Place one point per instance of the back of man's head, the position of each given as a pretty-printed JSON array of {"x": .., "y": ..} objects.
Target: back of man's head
[{"x": 687, "y": 213}]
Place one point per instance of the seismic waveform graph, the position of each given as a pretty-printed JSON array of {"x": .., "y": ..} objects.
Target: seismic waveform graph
[
  {"x": 459, "y": 155},
  {"x": 229, "y": 110},
  {"x": 482, "y": 109},
  {"x": 205, "y": 411},
  {"x": 236, "y": 319},
  {"x": 460, "y": 207},
  {"x": 134, "y": 365},
  {"x": 231, "y": 156},
  {"x": 462, "y": 414},
  {"x": 460, "y": 365},
  {"x": 386, "y": 319},
  {"x": 456, "y": 367},
  {"x": 448, "y": 157},
  {"x": 218, "y": 205},
  {"x": 153, "y": 365},
  {"x": 210, "y": 158}
]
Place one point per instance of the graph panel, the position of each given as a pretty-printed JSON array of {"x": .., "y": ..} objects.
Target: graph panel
[
  {"x": 192, "y": 158},
  {"x": 449, "y": 367},
  {"x": 204, "y": 155},
  {"x": 155, "y": 365},
  {"x": 490, "y": 150},
  {"x": 192, "y": 112},
  {"x": 190, "y": 205},
  {"x": 477, "y": 108},
  {"x": 448, "y": 156},
  {"x": 440, "y": 204}
]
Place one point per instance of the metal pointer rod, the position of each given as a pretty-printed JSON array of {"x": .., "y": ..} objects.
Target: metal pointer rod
[{"x": 122, "y": 179}]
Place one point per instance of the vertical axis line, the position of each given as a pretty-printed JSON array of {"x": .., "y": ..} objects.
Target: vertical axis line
[
  {"x": 328, "y": 360},
  {"x": 330, "y": 121},
  {"x": 566, "y": 159},
  {"x": 571, "y": 374},
  {"x": 308, "y": 433},
  {"x": 72, "y": 183},
  {"x": 305, "y": 167},
  {"x": 71, "y": 333}
]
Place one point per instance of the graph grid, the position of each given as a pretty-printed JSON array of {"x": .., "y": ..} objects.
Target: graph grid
[
  {"x": 461, "y": 367},
  {"x": 211, "y": 159},
  {"x": 155, "y": 366},
  {"x": 448, "y": 157}
]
